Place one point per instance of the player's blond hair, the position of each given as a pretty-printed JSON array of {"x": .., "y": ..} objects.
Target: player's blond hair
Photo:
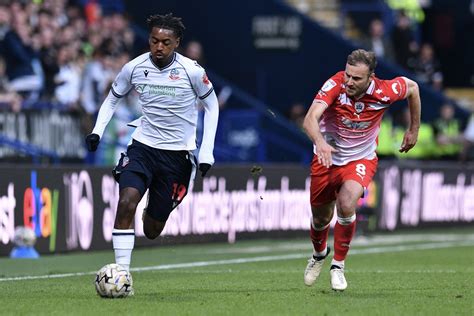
[{"x": 361, "y": 56}]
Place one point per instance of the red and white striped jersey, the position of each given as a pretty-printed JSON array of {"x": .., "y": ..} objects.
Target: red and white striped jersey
[{"x": 351, "y": 126}]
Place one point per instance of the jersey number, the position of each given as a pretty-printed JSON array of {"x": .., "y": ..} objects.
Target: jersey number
[
  {"x": 179, "y": 191},
  {"x": 360, "y": 170}
]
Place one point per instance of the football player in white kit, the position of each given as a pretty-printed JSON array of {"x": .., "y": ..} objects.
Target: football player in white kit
[{"x": 159, "y": 157}]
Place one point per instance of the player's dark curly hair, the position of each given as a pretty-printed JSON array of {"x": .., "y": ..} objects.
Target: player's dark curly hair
[
  {"x": 167, "y": 21},
  {"x": 364, "y": 57}
]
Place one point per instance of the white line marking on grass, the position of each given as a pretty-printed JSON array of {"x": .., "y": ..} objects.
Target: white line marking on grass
[
  {"x": 250, "y": 260},
  {"x": 379, "y": 240}
]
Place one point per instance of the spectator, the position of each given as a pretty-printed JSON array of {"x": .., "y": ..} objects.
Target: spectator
[
  {"x": 468, "y": 140},
  {"x": 19, "y": 55},
  {"x": 68, "y": 79},
  {"x": 97, "y": 75},
  {"x": 425, "y": 146},
  {"x": 403, "y": 41},
  {"x": 387, "y": 143},
  {"x": 448, "y": 134},
  {"x": 9, "y": 100},
  {"x": 427, "y": 67},
  {"x": 48, "y": 58},
  {"x": 377, "y": 42},
  {"x": 195, "y": 51},
  {"x": 296, "y": 114}
]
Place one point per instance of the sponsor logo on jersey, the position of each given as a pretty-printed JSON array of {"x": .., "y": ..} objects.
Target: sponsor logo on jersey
[
  {"x": 395, "y": 89},
  {"x": 162, "y": 90},
  {"x": 156, "y": 89},
  {"x": 174, "y": 74},
  {"x": 354, "y": 125},
  {"x": 328, "y": 85},
  {"x": 378, "y": 106},
  {"x": 205, "y": 79},
  {"x": 145, "y": 72},
  {"x": 359, "y": 107},
  {"x": 140, "y": 88}
]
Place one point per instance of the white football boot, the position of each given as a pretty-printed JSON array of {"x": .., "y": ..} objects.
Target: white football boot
[
  {"x": 313, "y": 269},
  {"x": 338, "y": 281}
]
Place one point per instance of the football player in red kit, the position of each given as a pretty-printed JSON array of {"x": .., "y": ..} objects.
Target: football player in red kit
[{"x": 343, "y": 123}]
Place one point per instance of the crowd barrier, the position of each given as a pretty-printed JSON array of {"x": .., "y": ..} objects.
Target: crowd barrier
[{"x": 73, "y": 208}]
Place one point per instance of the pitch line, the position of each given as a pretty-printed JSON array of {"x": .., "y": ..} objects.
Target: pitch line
[{"x": 373, "y": 250}]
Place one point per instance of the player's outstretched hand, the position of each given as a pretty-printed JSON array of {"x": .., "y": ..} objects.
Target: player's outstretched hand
[
  {"x": 204, "y": 168},
  {"x": 409, "y": 141},
  {"x": 92, "y": 142}
]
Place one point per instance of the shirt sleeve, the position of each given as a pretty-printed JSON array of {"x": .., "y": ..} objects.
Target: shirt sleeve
[
  {"x": 123, "y": 82},
  {"x": 211, "y": 116},
  {"x": 329, "y": 92},
  {"x": 106, "y": 112},
  {"x": 201, "y": 83},
  {"x": 396, "y": 89}
]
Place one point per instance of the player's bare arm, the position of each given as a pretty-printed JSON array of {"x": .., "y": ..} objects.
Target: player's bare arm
[
  {"x": 414, "y": 104},
  {"x": 311, "y": 127}
]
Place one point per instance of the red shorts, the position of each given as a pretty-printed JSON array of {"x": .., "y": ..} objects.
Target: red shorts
[{"x": 326, "y": 182}]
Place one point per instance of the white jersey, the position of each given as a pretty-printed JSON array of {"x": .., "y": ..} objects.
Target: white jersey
[{"x": 168, "y": 98}]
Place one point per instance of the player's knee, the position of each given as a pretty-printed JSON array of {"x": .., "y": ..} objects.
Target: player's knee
[
  {"x": 320, "y": 221},
  {"x": 127, "y": 204},
  {"x": 151, "y": 233},
  {"x": 152, "y": 228},
  {"x": 346, "y": 207}
]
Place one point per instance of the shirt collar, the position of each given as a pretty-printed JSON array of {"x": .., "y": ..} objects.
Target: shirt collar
[{"x": 163, "y": 68}]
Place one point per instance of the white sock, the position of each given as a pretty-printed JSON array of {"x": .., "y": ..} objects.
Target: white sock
[
  {"x": 123, "y": 241},
  {"x": 338, "y": 263},
  {"x": 320, "y": 254},
  {"x": 346, "y": 220}
]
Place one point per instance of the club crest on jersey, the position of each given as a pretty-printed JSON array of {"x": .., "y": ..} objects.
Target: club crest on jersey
[
  {"x": 174, "y": 74},
  {"x": 328, "y": 85},
  {"x": 359, "y": 107},
  {"x": 205, "y": 79}
]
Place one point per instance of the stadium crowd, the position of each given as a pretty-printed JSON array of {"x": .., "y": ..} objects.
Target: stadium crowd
[
  {"x": 60, "y": 52},
  {"x": 64, "y": 55}
]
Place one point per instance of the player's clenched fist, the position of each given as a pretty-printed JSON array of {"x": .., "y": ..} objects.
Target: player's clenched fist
[
  {"x": 204, "y": 168},
  {"x": 92, "y": 142}
]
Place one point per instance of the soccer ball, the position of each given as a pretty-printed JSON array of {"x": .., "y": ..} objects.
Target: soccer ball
[
  {"x": 24, "y": 237},
  {"x": 113, "y": 281}
]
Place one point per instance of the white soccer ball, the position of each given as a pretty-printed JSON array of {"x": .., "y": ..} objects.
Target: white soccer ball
[
  {"x": 24, "y": 236},
  {"x": 113, "y": 281}
]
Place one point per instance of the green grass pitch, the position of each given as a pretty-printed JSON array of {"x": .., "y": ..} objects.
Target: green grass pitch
[{"x": 390, "y": 274}]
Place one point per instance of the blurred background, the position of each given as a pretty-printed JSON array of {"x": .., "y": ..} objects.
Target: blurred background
[{"x": 267, "y": 60}]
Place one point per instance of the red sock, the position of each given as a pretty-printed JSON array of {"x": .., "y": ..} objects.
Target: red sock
[
  {"x": 319, "y": 238},
  {"x": 342, "y": 239}
]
